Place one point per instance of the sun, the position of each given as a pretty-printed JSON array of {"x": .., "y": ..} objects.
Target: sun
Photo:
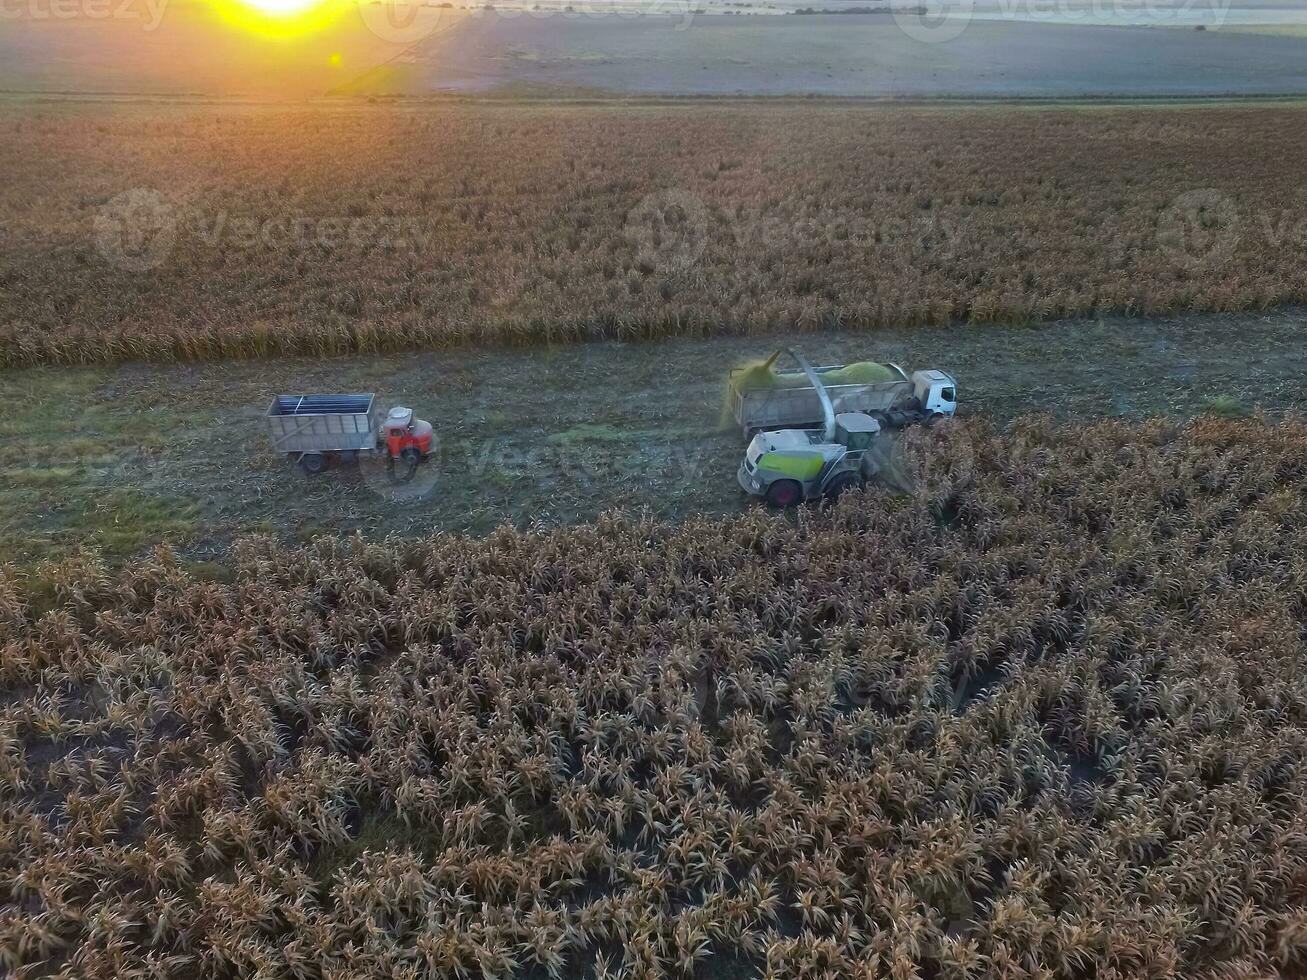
[
  {"x": 280, "y": 19},
  {"x": 281, "y": 8}
]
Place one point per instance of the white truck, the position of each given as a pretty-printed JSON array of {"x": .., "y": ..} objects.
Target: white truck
[{"x": 923, "y": 396}]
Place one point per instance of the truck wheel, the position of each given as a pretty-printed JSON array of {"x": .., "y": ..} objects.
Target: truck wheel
[
  {"x": 932, "y": 418},
  {"x": 784, "y": 493},
  {"x": 841, "y": 483},
  {"x": 313, "y": 462}
]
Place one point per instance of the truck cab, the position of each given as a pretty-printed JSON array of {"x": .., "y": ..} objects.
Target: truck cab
[
  {"x": 936, "y": 392},
  {"x": 405, "y": 437}
]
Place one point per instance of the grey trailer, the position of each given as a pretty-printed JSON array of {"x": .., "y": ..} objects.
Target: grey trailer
[
  {"x": 310, "y": 428},
  {"x": 907, "y": 398}
]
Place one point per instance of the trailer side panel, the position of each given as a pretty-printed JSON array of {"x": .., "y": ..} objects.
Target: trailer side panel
[
  {"x": 322, "y": 423},
  {"x": 779, "y": 408}
]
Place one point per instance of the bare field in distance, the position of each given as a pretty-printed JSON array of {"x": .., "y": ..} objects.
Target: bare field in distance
[
  {"x": 859, "y": 55},
  {"x": 989, "y": 48},
  {"x": 194, "y": 231}
]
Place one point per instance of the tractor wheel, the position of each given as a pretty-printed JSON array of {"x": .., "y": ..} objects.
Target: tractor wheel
[
  {"x": 313, "y": 463},
  {"x": 841, "y": 483},
  {"x": 410, "y": 456},
  {"x": 784, "y": 493}
]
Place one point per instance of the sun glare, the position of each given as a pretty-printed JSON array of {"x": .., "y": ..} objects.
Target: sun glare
[
  {"x": 281, "y": 8},
  {"x": 280, "y": 19}
]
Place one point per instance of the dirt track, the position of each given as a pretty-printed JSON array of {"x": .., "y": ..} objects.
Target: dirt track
[{"x": 124, "y": 455}]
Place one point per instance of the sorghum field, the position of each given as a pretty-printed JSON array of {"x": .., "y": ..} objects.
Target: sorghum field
[
  {"x": 1041, "y": 717},
  {"x": 193, "y": 230}
]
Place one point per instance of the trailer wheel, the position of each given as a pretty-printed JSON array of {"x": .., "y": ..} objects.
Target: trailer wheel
[
  {"x": 313, "y": 463},
  {"x": 784, "y": 493}
]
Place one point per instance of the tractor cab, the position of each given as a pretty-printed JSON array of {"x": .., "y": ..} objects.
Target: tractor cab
[{"x": 405, "y": 437}]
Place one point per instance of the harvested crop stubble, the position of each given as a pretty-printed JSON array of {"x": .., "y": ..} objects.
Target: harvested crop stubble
[
  {"x": 1043, "y": 718},
  {"x": 340, "y": 229}
]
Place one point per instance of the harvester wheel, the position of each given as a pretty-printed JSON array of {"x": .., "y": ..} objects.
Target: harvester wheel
[
  {"x": 841, "y": 483},
  {"x": 784, "y": 493},
  {"x": 313, "y": 462}
]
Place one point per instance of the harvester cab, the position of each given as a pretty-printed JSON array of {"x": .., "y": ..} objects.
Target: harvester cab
[
  {"x": 406, "y": 438},
  {"x": 786, "y": 466}
]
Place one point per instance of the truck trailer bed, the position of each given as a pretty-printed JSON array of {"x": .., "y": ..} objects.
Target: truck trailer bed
[
  {"x": 770, "y": 407},
  {"x": 325, "y": 423}
]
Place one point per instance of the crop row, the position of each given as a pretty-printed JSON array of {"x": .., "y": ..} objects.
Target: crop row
[
  {"x": 181, "y": 234},
  {"x": 1041, "y": 717}
]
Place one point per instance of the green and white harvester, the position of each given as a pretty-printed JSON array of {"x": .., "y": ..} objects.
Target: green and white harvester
[{"x": 785, "y": 466}]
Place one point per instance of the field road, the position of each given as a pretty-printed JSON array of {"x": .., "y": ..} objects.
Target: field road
[{"x": 123, "y": 455}]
